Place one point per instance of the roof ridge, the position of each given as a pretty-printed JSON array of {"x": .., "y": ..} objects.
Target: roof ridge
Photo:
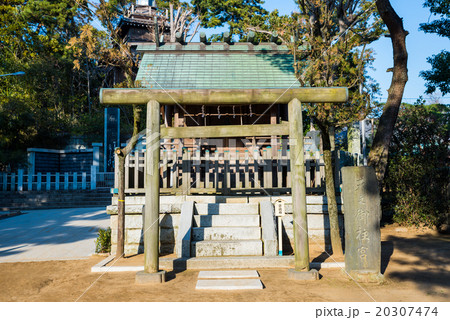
[{"x": 264, "y": 47}]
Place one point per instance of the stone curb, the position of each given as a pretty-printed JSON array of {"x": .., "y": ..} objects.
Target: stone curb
[{"x": 167, "y": 264}]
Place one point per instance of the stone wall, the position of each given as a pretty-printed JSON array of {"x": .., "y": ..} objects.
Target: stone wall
[
  {"x": 170, "y": 208},
  {"x": 134, "y": 233},
  {"x": 49, "y": 160}
]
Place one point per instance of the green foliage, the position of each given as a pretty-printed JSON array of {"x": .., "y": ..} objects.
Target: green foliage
[
  {"x": 165, "y": 4},
  {"x": 417, "y": 175},
  {"x": 236, "y": 14},
  {"x": 439, "y": 75},
  {"x": 329, "y": 39},
  {"x": 441, "y": 26},
  {"x": 37, "y": 109},
  {"x": 334, "y": 38},
  {"x": 103, "y": 241}
]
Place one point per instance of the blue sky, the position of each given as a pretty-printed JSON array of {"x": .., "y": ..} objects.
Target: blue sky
[{"x": 419, "y": 45}]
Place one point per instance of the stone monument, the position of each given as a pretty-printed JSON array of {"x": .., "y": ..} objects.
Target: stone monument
[{"x": 362, "y": 215}]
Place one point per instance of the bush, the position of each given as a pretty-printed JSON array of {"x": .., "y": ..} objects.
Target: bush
[
  {"x": 103, "y": 242},
  {"x": 417, "y": 177}
]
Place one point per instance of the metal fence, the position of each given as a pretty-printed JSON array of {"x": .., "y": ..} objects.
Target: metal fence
[{"x": 22, "y": 181}]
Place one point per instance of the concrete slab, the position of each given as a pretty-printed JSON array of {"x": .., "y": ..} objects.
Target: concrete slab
[
  {"x": 228, "y": 274},
  {"x": 54, "y": 234},
  {"x": 229, "y": 284}
]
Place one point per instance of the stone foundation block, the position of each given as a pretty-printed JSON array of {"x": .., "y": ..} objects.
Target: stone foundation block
[
  {"x": 312, "y": 274},
  {"x": 366, "y": 276},
  {"x": 133, "y": 236},
  {"x": 131, "y": 221},
  {"x": 143, "y": 277}
]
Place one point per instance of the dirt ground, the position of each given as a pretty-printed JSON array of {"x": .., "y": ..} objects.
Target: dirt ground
[{"x": 416, "y": 266}]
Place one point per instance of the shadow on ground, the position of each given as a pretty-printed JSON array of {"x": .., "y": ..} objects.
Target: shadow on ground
[
  {"x": 426, "y": 260},
  {"x": 48, "y": 227}
]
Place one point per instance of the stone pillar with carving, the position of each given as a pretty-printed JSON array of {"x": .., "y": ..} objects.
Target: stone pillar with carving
[{"x": 362, "y": 215}]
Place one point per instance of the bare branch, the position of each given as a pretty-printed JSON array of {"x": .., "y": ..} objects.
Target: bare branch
[
  {"x": 255, "y": 29},
  {"x": 195, "y": 31}
]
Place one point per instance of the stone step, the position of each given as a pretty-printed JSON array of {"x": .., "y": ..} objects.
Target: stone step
[
  {"x": 226, "y": 208},
  {"x": 229, "y": 284},
  {"x": 226, "y": 233},
  {"x": 220, "y": 263},
  {"x": 228, "y": 220},
  {"x": 226, "y": 248},
  {"x": 228, "y": 274}
]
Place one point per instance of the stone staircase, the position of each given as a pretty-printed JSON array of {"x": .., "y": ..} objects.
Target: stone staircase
[{"x": 226, "y": 229}]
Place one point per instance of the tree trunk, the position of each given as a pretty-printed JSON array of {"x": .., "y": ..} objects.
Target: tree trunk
[
  {"x": 336, "y": 241},
  {"x": 378, "y": 155}
]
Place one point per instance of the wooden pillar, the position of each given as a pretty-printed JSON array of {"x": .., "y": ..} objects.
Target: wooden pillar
[
  {"x": 301, "y": 246},
  {"x": 168, "y": 114},
  {"x": 151, "y": 211},
  {"x": 273, "y": 120},
  {"x": 178, "y": 122}
]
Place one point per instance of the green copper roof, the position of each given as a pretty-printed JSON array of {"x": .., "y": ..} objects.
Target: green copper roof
[{"x": 218, "y": 66}]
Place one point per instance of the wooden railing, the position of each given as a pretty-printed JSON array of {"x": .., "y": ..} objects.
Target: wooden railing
[{"x": 228, "y": 172}]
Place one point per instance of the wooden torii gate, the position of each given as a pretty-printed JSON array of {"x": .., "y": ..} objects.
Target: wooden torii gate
[{"x": 154, "y": 133}]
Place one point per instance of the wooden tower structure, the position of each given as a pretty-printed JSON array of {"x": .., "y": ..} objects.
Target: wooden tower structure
[{"x": 138, "y": 25}]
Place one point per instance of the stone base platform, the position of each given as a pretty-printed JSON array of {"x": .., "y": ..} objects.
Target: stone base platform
[
  {"x": 213, "y": 263},
  {"x": 312, "y": 274},
  {"x": 143, "y": 277},
  {"x": 365, "y": 276}
]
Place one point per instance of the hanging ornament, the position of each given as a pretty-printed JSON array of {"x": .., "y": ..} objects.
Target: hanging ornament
[
  {"x": 234, "y": 114},
  {"x": 251, "y": 112},
  {"x": 218, "y": 112},
  {"x": 203, "y": 111}
]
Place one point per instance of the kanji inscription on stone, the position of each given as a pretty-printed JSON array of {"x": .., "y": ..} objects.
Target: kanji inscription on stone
[{"x": 362, "y": 214}]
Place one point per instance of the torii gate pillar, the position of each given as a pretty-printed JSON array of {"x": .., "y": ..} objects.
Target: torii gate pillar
[
  {"x": 151, "y": 273},
  {"x": 301, "y": 245}
]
